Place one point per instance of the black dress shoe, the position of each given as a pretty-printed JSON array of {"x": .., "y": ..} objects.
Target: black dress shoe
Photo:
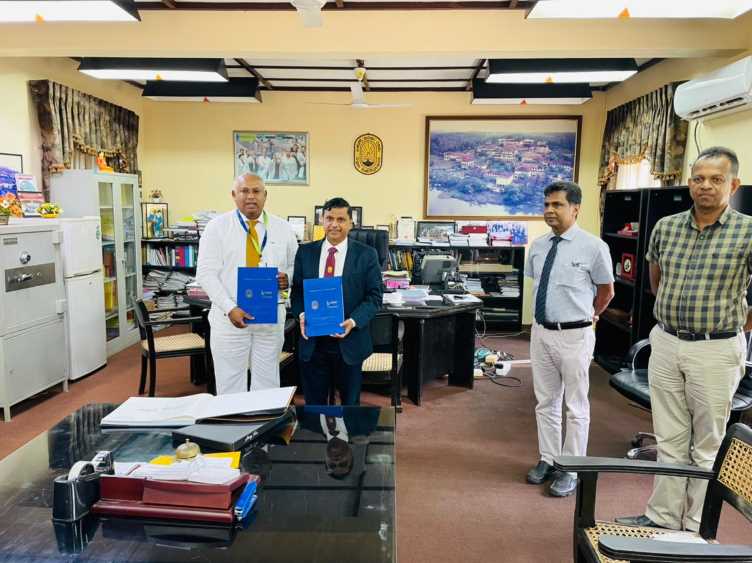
[
  {"x": 540, "y": 473},
  {"x": 641, "y": 521},
  {"x": 564, "y": 485}
]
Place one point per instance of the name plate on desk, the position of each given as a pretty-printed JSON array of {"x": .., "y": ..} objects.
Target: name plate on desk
[
  {"x": 324, "y": 307},
  {"x": 258, "y": 293}
]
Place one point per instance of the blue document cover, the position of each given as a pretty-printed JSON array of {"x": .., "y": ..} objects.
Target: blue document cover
[
  {"x": 258, "y": 294},
  {"x": 324, "y": 308}
]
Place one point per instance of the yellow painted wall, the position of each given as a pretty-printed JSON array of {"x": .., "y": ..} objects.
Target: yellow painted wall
[
  {"x": 187, "y": 152},
  {"x": 19, "y": 127}
]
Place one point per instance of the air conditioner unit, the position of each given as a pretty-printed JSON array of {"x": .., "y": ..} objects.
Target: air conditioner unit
[{"x": 724, "y": 91}]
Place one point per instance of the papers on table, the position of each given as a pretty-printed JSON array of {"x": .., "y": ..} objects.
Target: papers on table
[
  {"x": 184, "y": 411},
  {"x": 324, "y": 306},
  {"x": 214, "y": 471},
  {"x": 258, "y": 294}
]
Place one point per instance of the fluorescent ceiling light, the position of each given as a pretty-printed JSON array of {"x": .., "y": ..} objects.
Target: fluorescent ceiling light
[
  {"x": 68, "y": 10},
  {"x": 559, "y": 71},
  {"x": 183, "y": 70},
  {"x": 510, "y": 94},
  {"x": 235, "y": 90},
  {"x": 587, "y": 9}
]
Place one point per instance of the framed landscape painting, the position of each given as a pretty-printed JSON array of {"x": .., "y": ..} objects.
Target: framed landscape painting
[
  {"x": 496, "y": 167},
  {"x": 279, "y": 157}
]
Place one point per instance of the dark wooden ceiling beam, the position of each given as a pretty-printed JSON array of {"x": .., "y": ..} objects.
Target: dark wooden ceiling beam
[
  {"x": 371, "y": 68},
  {"x": 170, "y": 4},
  {"x": 360, "y": 6},
  {"x": 372, "y": 81},
  {"x": 478, "y": 68},
  {"x": 343, "y": 89},
  {"x": 263, "y": 81}
]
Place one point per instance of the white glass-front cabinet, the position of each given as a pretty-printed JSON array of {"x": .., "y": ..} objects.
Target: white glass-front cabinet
[{"x": 115, "y": 199}]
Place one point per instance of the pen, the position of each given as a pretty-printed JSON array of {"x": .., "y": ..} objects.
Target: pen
[{"x": 246, "y": 500}]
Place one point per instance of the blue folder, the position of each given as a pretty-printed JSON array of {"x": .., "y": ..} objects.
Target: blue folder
[
  {"x": 324, "y": 307},
  {"x": 258, "y": 294}
]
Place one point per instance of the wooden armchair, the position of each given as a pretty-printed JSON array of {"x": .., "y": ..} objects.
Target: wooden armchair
[
  {"x": 606, "y": 542},
  {"x": 172, "y": 346}
]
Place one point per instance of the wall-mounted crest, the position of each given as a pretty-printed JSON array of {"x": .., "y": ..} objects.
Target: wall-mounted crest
[{"x": 368, "y": 154}]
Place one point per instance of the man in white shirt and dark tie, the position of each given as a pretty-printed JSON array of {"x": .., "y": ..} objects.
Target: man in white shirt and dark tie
[
  {"x": 247, "y": 236},
  {"x": 572, "y": 284}
]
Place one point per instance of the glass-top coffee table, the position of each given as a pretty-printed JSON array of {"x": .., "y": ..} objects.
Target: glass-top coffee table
[{"x": 317, "y": 502}]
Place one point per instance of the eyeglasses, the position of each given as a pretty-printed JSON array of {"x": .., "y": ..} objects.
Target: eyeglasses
[{"x": 715, "y": 181}]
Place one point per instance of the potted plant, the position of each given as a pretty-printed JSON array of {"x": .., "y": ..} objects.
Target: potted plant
[
  {"x": 156, "y": 195},
  {"x": 4, "y": 212},
  {"x": 50, "y": 210}
]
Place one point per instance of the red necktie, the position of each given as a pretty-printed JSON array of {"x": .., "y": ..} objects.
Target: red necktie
[{"x": 329, "y": 267}]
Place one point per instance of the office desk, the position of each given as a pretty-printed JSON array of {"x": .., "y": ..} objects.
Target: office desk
[
  {"x": 439, "y": 340},
  {"x": 302, "y": 514}
]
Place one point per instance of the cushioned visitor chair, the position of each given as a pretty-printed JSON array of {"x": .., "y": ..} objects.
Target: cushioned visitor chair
[
  {"x": 172, "y": 346},
  {"x": 730, "y": 481},
  {"x": 384, "y": 366},
  {"x": 632, "y": 382}
]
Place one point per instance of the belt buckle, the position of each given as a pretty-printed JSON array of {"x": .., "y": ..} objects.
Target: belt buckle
[{"x": 689, "y": 335}]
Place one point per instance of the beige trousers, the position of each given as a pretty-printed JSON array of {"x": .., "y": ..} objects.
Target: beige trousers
[
  {"x": 691, "y": 388},
  {"x": 560, "y": 360}
]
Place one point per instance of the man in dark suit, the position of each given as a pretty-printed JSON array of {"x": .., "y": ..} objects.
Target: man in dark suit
[{"x": 338, "y": 357}]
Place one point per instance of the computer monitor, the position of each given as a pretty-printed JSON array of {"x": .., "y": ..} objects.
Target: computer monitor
[{"x": 434, "y": 266}]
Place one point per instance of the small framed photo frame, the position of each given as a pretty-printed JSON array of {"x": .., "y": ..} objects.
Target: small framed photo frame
[
  {"x": 154, "y": 219},
  {"x": 298, "y": 224},
  {"x": 357, "y": 216},
  {"x": 318, "y": 215},
  {"x": 12, "y": 161},
  {"x": 435, "y": 231}
]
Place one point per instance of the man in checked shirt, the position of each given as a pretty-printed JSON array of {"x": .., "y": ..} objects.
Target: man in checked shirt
[{"x": 700, "y": 266}]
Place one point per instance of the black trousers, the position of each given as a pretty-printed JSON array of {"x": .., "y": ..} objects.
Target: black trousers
[{"x": 327, "y": 367}]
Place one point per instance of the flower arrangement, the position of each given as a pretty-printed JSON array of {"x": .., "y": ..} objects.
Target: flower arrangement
[
  {"x": 9, "y": 205},
  {"x": 156, "y": 195},
  {"x": 50, "y": 210}
]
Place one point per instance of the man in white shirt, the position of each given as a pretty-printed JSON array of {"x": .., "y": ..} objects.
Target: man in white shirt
[{"x": 245, "y": 236}]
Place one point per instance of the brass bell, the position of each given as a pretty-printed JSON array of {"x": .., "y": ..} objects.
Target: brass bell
[{"x": 188, "y": 451}]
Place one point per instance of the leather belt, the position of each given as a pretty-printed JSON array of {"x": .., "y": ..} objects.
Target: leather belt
[
  {"x": 694, "y": 336},
  {"x": 566, "y": 326}
]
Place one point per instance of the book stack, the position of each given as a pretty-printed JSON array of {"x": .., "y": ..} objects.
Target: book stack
[{"x": 396, "y": 279}]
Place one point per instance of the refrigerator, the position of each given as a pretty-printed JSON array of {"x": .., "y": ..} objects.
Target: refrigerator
[{"x": 84, "y": 289}]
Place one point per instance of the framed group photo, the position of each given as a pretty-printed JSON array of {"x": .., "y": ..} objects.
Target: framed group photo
[
  {"x": 278, "y": 157},
  {"x": 498, "y": 166}
]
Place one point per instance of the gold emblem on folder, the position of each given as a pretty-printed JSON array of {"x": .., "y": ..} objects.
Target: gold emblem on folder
[{"x": 368, "y": 154}]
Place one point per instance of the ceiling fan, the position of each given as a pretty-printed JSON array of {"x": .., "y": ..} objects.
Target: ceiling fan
[{"x": 359, "y": 102}]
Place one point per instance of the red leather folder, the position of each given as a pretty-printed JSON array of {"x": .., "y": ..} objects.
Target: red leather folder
[{"x": 175, "y": 500}]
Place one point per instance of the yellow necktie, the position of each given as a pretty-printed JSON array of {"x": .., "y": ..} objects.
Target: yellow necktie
[{"x": 252, "y": 253}]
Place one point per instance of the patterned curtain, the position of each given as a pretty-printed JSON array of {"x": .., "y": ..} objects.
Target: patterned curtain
[
  {"x": 76, "y": 127},
  {"x": 645, "y": 128}
]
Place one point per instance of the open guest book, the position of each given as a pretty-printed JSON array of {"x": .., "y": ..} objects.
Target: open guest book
[{"x": 184, "y": 411}]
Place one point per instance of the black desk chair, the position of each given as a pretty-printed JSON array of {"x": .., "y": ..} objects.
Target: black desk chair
[
  {"x": 173, "y": 346},
  {"x": 632, "y": 382},
  {"x": 730, "y": 480},
  {"x": 376, "y": 238}
]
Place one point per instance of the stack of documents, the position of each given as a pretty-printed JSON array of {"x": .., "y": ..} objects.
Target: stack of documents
[{"x": 184, "y": 411}]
